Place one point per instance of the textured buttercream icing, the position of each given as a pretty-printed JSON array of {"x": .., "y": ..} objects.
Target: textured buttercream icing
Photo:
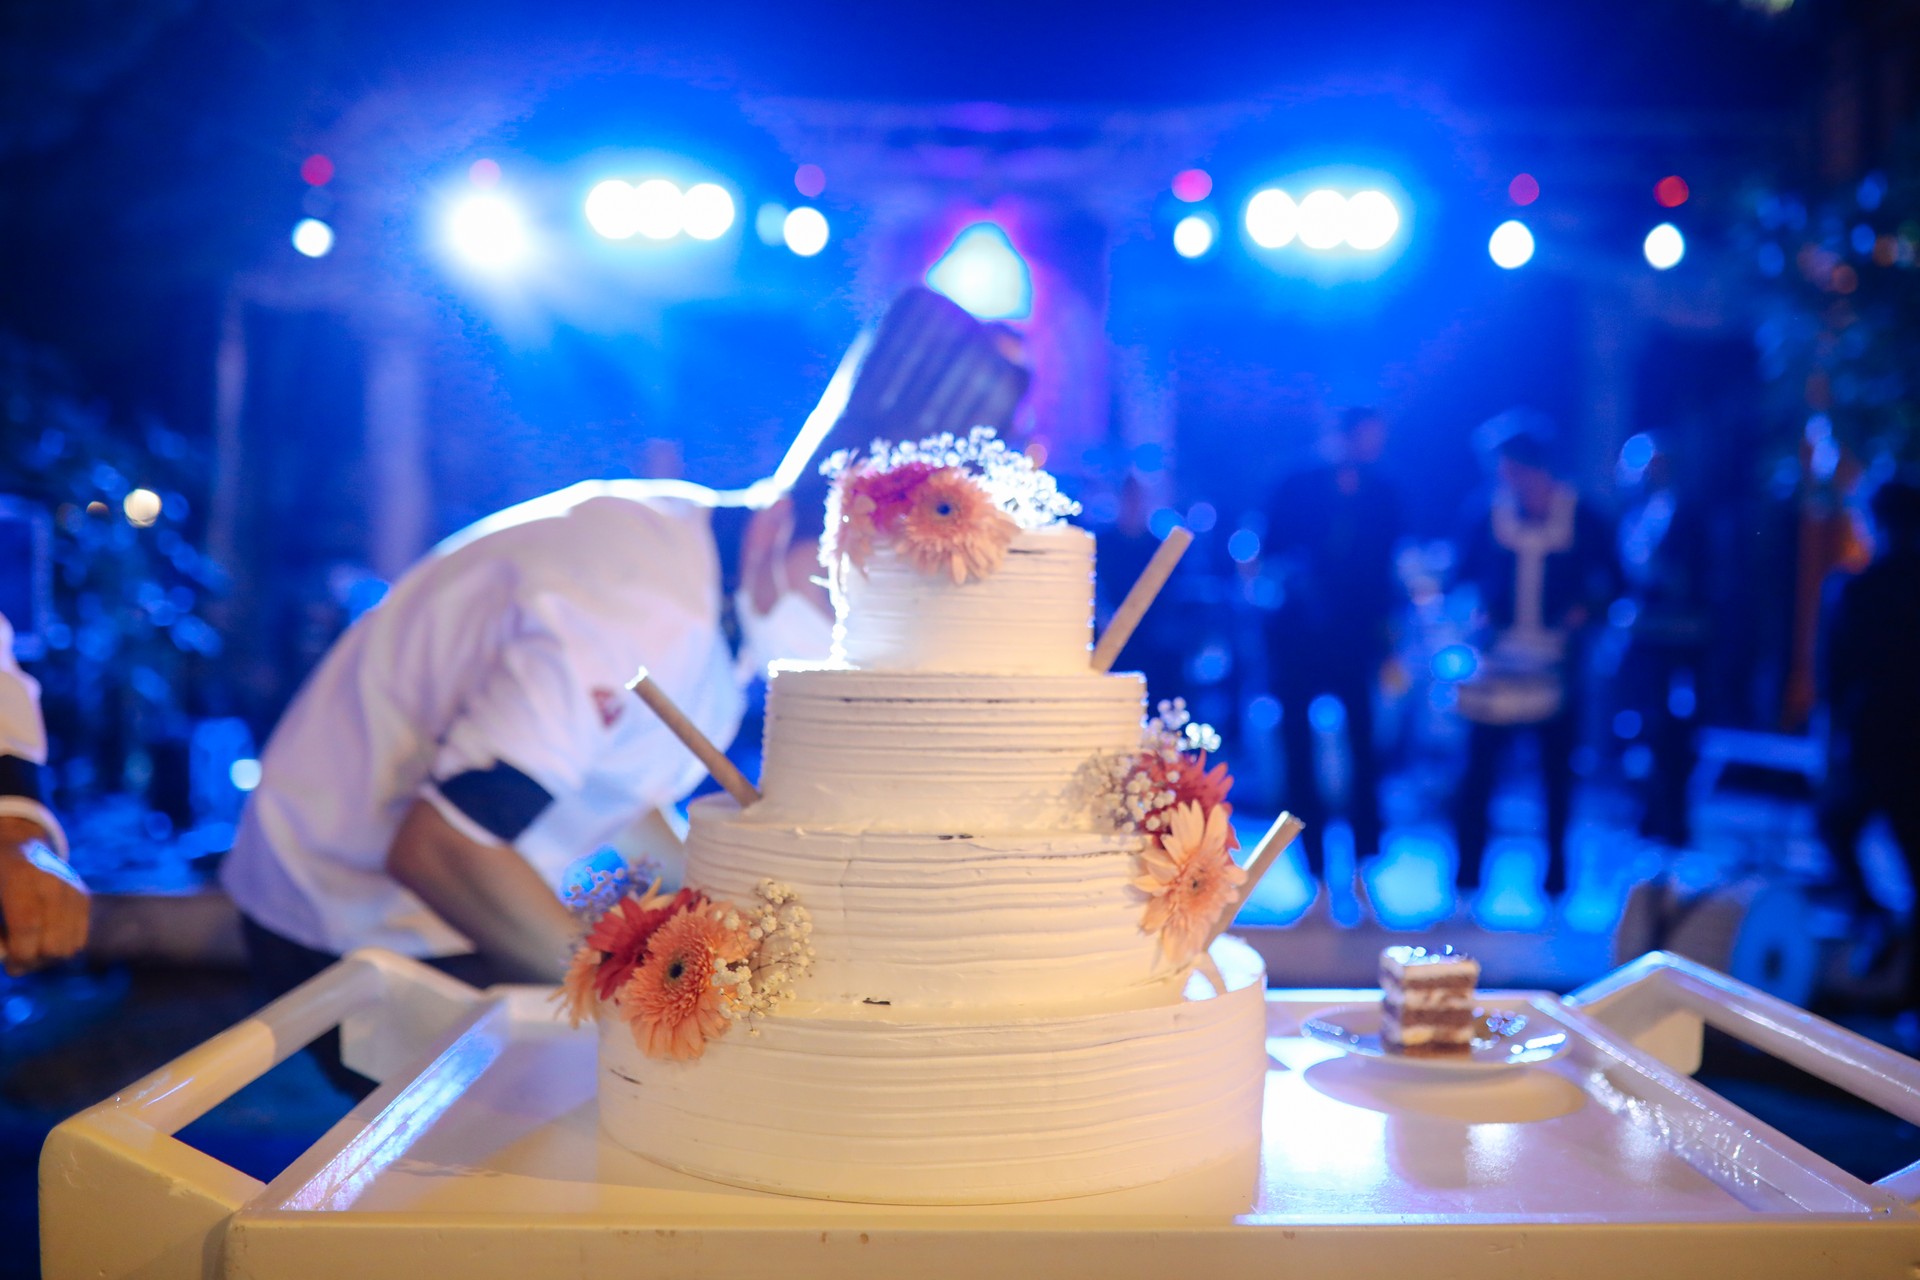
[
  {"x": 943, "y": 754},
  {"x": 1033, "y": 615},
  {"x": 861, "y": 1103},
  {"x": 943, "y": 920}
]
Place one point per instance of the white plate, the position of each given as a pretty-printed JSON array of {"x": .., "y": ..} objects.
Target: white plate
[{"x": 1504, "y": 1040}]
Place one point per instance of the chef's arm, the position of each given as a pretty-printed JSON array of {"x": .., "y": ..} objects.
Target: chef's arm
[
  {"x": 486, "y": 891},
  {"x": 656, "y": 839}
]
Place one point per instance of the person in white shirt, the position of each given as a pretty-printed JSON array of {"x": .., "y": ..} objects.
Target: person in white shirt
[
  {"x": 471, "y": 737},
  {"x": 43, "y": 904}
]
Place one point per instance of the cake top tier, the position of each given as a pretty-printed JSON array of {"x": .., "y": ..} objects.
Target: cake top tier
[
  {"x": 953, "y": 555},
  {"x": 1418, "y": 964}
]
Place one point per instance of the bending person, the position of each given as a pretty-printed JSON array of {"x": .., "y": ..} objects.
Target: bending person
[{"x": 43, "y": 904}]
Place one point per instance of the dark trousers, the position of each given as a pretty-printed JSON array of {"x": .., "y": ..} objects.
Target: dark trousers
[
  {"x": 1298, "y": 685},
  {"x": 1846, "y": 808},
  {"x": 277, "y": 964},
  {"x": 1485, "y": 746}
]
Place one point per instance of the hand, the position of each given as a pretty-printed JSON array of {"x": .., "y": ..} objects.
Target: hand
[
  {"x": 43, "y": 904},
  {"x": 763, "y": 554}
]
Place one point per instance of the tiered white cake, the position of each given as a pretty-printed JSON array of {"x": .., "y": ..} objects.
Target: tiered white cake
[{"x": 985, "y": 1019}]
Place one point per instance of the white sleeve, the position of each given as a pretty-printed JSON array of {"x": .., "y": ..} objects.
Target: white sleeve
[{"x": 23, "y": 745}]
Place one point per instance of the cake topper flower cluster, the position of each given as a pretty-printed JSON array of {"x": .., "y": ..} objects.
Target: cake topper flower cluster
[
  {"x": 948, "y": 505},
  {"x": 680, "y": 969},
  {"x": 1166, "y": 792}
]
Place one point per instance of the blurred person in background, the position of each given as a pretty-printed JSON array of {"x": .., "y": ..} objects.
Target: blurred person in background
[
  {"x": 1871, "y": 668},
  {"x": 1662, "y": 539},
  {"x": 1332, "y": 530},
  {"x": 43, "y": 904},
  {"x": 1540, "y": 561}
]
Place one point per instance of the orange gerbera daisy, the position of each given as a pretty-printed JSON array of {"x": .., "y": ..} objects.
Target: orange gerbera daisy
[
  {"x": 621, "y": 936},
  {"x": 870, "y": 504},
  {"x": 576, "y": 996},
  {"x": 953, "y": 526},
  {"x": 673, "y": 1001},
  {"x": 1190, "y": 878}
]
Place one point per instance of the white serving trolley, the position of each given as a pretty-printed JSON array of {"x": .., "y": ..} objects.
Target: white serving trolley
[{"x": 479, "y": 1158}]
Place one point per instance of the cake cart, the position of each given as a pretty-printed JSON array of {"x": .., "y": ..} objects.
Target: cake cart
[{"x": 479, "y": 1157}]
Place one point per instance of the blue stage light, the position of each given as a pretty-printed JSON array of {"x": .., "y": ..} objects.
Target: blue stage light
[
  {"x": 1511, "y": 244},
  {"x": 1193, "y": 236},
  {"x": 1372, "y": 220},
  {"x": 1323, "y": 219},
  {"x": 1664, "y": 247},
  {"x": 1273, "y": 219},
  {"x": 244, "y": 774},
  {"x": 489, "y": 232},
  {"x": 707, "y": 211},
  {"x": 805, "y": 231},
  {"x": 610, "y": 210},
  {"x": 313, "y": 237},
  {"x": 770, "y": 223},
  {"x": 984, "y": 273}
]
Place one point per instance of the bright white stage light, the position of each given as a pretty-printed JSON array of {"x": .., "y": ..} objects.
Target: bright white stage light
[
  {"x": 1273, "y": 219},
  {"x": 983, "y": 272},
  {"x": 1511, "y": 244},
  {"x": 805, "y": 231},
  {"x": 1372, "y": 220},
  {"x": 611, "y": 211},
  {"x": 707, "y": 211},
  {"x": 488, "y": 231},
  {"x": 1665, "y": 246},
  {"x": 1193, "y": 236},
  {"x": 141, "y": 507},
  {"x": 313, "y": 237},
  {"x": 244, "y": 774},
  {"x": 658, "y": 209},
  {"x": 1323, "y": 219}
]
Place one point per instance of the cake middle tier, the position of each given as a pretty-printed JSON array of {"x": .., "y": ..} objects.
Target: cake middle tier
[
  {"x": 939, "y": 754},
  {"x": 928, "y": 920}
]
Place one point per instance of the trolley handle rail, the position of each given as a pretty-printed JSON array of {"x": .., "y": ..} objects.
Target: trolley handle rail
[
  {"x": 170, "y": 1202},
  {"x": 1660, "y": 1003}
]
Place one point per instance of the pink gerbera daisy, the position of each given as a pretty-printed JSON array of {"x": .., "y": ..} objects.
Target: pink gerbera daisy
[
  {"x": 673, "y": 1000},
  {"x": 1190, "y": 878},
  {"x": 577, "y": 996},
  {"x": 953, "y": 526}
]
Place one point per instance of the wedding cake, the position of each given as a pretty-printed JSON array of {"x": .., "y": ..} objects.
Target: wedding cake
[{"x": 954, "y": 954}]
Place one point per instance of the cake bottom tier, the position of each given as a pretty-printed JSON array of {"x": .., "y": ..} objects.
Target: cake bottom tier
[{"x": 969, "y": 1107}]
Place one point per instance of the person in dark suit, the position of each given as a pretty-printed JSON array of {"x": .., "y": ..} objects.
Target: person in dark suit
[
  {"x": 1333, "y": 529},
  {"x": 1541, "y": 561},
  {"x": 1871, "y": 668}
]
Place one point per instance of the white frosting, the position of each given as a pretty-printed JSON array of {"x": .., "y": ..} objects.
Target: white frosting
[
  {"x": 1031, "y": 616},
  {"x": 950, "y": 755},
  {"x": 1416, "y": 965},
  {"x": 943, "y": 920},
  {"x": 850, "y": 1102}
]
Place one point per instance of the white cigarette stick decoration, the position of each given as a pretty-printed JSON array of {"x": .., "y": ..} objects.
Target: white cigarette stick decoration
[
  {"x": 697, "y": 742},
  {"x": 1265, "y": 854},
  {"x": 1140, "y": 599}
]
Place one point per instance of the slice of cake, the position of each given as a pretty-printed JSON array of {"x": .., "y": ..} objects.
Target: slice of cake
[{"x": 1427, "y": 1005}]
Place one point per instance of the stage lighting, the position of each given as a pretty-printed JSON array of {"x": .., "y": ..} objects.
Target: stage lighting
[
  {"x": 244, "y": 774},
  {"x": 1372, "y": 220},
  {"x": 488, "y": 231},
  {"x": 313, "y": 237},
  {"x": 805, "y": 231},
  {"x": 1323, "y": 219},
  {"x": 1193, "y": 236},
  {"x": 611, "y": 211},
  {"x": 1511, "y": 245},
  {"x": 658, "y": 209},
  {"x": 770, "y": 223},
  {"x": 1664, "y": 247},
  {"x": 707, "y": 211},
  {"x": 141, "y": 507},
  {"x": 1273, "y": 219},
  {"x": 983, "y": 272}
]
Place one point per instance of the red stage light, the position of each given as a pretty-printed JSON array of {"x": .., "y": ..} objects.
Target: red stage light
[
  {"x": 1523, "y": 189},
  {"x": 1671, "y": 191},
  {"x": 316, "y": 170},
  {"x": 484, "y": 173},
  {"x": 810, "y": 180},
  {"x": 1192, "y": 185}
]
